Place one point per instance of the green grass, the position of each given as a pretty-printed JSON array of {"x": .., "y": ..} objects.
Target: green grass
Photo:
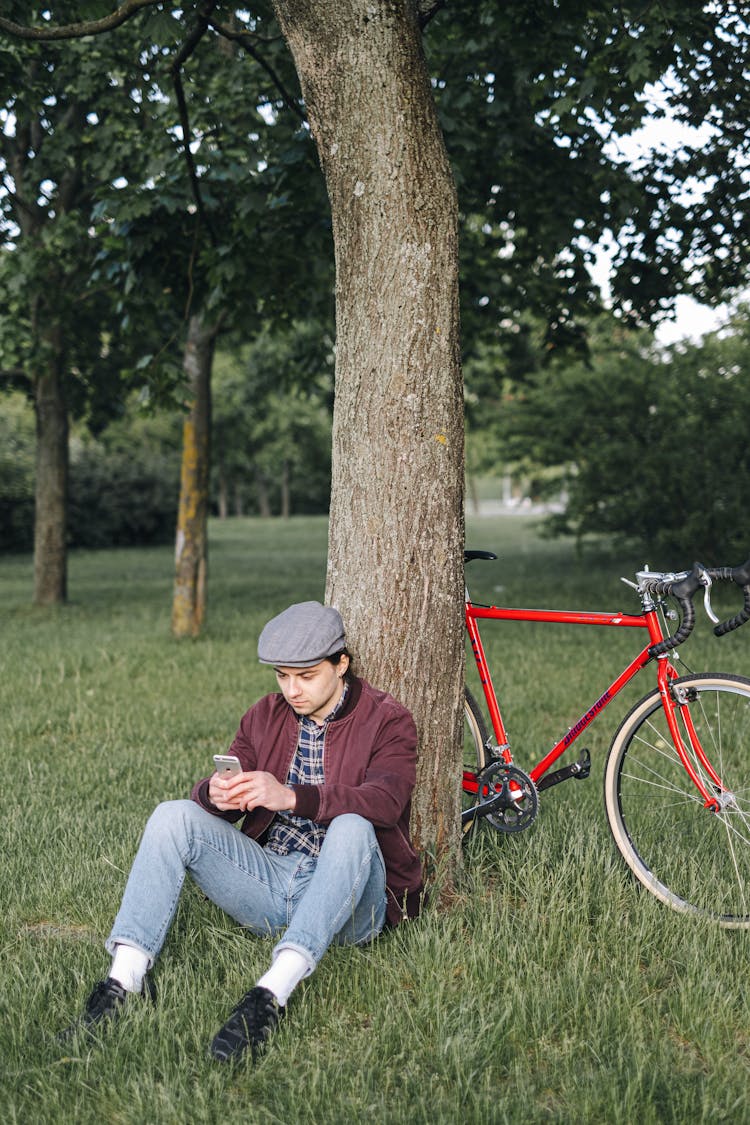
[{"x": 551, "y": 991}]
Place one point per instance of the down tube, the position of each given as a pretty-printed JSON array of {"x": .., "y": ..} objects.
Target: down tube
[{"x": 588, "y": 717}]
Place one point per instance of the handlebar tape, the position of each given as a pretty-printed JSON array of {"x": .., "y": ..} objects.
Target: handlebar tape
[
  {"x": 687, "y": 610},
  {"x": 741, "y": 576},
  {"x": 739, "y": 618},
  {"x": 683, "y": 592}
]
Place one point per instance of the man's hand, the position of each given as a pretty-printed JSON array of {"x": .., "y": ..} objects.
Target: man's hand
[{"x": 247, "y": 791}]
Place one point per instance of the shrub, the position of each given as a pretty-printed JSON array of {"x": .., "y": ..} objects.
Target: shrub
[
  {"x": 17, "y": 444},
  {"x": 123, "y": 489},
  {"x": 119, "y": 499}
]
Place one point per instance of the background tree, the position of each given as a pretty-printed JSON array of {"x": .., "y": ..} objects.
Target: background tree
[
  {"x": 271, "y": 421},
  {"x": 16, "y": 473},
  {"x": 46, "y": 198},
  {"x": 122, "y": 481},
  {"x": 227, "y": 238},
  {"x": 535, "y": 101},
  {"x": 196, "y": 241},
  {"x": 66, "y": 109},
  {"x": 652, "y": 442}
]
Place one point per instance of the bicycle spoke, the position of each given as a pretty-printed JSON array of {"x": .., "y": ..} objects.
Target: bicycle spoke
[{"x": 740, "y": 882}]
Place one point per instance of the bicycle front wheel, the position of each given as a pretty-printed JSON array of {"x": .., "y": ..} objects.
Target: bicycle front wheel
[{"x": 694, "y": 860}]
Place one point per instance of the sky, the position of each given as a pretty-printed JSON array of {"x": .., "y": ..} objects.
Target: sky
[{"x": 692, "y": 321}]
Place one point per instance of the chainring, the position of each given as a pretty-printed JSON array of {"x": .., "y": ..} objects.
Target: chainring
[{"x": 507, "y": 797}]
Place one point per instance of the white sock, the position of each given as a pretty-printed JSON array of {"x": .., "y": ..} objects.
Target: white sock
[
  {"x": 129, "y": 967},
  {"x": 288, "y": 969}
]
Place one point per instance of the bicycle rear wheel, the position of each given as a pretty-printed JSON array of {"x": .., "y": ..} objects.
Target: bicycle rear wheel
[
  {"x": 476, "y": 735},
  {"x": 476, "y": 738},
  {"x": 694, "y": 860}
]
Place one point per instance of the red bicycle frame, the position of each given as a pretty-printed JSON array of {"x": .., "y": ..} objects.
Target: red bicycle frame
[{"x": 648, "y": 620}]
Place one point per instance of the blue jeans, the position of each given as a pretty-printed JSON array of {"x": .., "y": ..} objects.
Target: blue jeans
[{"x": 338, "y": 897}]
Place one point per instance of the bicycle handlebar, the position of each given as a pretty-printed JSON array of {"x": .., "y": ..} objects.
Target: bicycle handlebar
[
  {"x": 740, "y": 575},
  {"x": 683, "y": 587}
]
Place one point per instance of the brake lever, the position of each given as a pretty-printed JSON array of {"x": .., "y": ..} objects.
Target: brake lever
[{"x": 706, "y": 583}]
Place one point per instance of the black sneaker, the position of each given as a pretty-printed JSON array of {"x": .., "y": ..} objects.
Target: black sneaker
[
  {"x": 249, "y": 1025},
  {"x": 105, "y": 1003}
]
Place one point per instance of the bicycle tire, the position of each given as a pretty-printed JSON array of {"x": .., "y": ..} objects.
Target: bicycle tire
[
  {"x": 693, "y": 860},
  {"x": 476, "y": 738},
  {"x": 476, "y": 734}
]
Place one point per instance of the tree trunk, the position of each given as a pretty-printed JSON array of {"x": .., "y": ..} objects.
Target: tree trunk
[
  {"x": 191, "y": 550},
  {"x": 51, "y": 486},
  {"x": 223, "y": 493},
  {"x": 264, "y": 499},
  {"x": 286, "y": 498},
  {"x": 474, "y": 493},
  {"x": 395, "y": 565}
]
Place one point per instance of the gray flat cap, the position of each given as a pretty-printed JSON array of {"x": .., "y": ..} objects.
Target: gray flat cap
[{"x": 302, "y": 636}]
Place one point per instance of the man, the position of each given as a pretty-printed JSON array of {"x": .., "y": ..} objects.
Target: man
[{"x": 323, "y": 852}]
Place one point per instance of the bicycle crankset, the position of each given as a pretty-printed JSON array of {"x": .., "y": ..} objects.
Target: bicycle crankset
[{"x": 506, "y": 796}]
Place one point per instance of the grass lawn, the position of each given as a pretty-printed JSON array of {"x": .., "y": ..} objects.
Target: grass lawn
[{"x": 553, "y": 991}]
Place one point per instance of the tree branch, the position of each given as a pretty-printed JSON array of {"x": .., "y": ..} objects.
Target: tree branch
[
  {"x": 33, "y": 210},
  {"x": 78, "y": 30},
  {"x": 426, "y": 9},
  {"x": 198, "y": 30},
  {"x": 245, "y": 40}
]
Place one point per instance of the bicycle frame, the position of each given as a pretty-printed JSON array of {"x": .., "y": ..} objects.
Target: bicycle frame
[{"x": 647, "y": 620}]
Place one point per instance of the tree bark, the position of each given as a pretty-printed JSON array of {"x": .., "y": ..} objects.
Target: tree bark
[
  {"x": 395, "y": 564},
  {"x": 191, "y": 549},
  {"x": 51, "y": 485}
]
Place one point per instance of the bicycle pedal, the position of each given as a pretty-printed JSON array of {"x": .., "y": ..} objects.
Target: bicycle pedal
[{"x": 583, "y": 764}]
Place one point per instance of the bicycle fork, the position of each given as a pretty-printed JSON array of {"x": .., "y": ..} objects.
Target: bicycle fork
[{"x": 675, "y": 701}]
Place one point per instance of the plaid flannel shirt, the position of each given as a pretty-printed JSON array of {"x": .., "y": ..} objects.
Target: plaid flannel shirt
[{"x": 295, "y": 833}]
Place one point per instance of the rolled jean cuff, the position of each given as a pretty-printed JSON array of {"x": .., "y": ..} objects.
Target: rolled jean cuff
[
  {"x": 311, "y": 962},
  {"x": 113, "y": 941}
]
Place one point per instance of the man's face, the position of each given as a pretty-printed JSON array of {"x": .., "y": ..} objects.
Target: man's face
[{"x": 313, "y": 691}]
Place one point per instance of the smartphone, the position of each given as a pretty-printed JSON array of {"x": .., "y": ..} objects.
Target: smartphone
[{"x": 227, "y": 764}]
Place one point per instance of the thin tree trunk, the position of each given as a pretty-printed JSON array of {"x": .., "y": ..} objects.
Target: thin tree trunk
[
  {"x": 474, "y": 493},
  {"x": 395, "y": 564},
  {"x": 51, "y": 486},
  {"x": 191, "y": 550},
  {"x": 264, "y": 500},
  {"x": 286, "y": 499},
  {"x": 223, "y": 492}
]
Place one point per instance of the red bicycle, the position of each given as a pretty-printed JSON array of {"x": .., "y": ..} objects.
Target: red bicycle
[{"x": 677, "y": 775}]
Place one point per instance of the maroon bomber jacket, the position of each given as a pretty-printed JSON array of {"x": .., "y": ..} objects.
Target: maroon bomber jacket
[{"x": 369, "y": 761}]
